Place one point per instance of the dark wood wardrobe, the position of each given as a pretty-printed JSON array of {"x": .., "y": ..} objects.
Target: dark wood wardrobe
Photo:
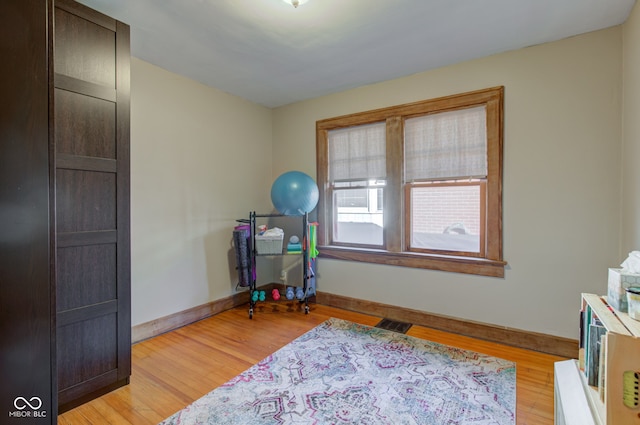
[{"x": 64, "y": 207}]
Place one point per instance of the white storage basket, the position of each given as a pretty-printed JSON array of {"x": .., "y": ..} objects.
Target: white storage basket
[{"x": 269, "y": 244}]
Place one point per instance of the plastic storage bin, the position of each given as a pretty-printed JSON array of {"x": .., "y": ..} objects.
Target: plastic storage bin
[{"x": 269, "y": 244}]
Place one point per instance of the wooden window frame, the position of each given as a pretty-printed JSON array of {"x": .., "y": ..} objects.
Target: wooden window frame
[{"x": 395, "y": 251}]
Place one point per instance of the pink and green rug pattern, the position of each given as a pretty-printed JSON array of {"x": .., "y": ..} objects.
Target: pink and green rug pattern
[{"x": 345, "y": 373}]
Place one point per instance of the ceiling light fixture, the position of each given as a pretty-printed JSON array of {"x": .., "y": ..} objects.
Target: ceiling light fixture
[{"x": 295, "y": 3}]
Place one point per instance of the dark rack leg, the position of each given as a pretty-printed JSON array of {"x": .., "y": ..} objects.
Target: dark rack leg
[
  {"x": 305, "y": 262},
  {"x": 252, "y": 263}
]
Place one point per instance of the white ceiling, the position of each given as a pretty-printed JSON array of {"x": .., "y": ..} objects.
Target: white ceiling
[{"x": 273, "y": 54}]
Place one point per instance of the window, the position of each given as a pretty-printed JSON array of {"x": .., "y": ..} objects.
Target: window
[{"x": 416, "y": 185}]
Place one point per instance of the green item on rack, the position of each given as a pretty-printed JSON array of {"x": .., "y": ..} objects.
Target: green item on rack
[{"x": 313, "y": 250}]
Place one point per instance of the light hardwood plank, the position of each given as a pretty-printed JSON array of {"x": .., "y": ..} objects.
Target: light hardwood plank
[{"x": 174, "y": 369}]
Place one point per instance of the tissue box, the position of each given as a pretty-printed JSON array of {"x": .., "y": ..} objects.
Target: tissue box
[
  {"x": 619, "y": 280},
  {"x": 269, "y": 244}
]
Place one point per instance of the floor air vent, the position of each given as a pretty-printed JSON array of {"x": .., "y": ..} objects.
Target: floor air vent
[{"x": 392, "y": 325}]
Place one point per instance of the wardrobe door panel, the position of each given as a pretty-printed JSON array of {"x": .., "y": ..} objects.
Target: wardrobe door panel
[
  {"x": 86, "y": 275},
  {"x": 86, "y": 354},
  {"x": 85, "y": 126},
  {"x": 92, "y": 203},
  {"x": 85, "y": 50},
  {"x": 86, "y": 201}
]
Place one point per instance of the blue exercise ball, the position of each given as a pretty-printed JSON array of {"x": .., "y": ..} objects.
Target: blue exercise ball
[{"x": 294, "y": 193}]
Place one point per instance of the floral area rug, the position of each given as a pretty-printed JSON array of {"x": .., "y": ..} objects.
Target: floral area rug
[{"x": 345, "y": 373}]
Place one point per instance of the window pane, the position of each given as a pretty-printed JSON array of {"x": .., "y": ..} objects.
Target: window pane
[
  {"x": 446, "y": 145},
  {"x": 446, "y": 218},
  {"x": 357, "y": 152},
  {"x": 351, "y": 199},
  {"x": 359, "y": 216}
]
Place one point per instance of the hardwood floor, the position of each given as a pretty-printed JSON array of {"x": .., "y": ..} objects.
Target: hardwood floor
[{"x": 172, "y": 370}]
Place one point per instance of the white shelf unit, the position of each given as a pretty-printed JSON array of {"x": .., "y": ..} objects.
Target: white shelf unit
[{"x": 611, "y": 400}]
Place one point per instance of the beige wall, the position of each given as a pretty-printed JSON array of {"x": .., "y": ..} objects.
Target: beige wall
[
  {"x": 562, "y": 159},
  {"x": 196, "y": 167},
  {"x": 200, "y": 158},
  {"x": 630, "y": 229}
]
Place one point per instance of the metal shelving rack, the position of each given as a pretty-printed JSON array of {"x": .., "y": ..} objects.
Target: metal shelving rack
[{"x": 253, "y": 216}]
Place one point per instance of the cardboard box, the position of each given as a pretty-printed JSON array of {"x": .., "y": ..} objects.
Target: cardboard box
[{"x": 618, "y": 282}]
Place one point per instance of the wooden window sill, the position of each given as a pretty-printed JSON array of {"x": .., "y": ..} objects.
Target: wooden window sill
[{"x": 467, "y": 265}]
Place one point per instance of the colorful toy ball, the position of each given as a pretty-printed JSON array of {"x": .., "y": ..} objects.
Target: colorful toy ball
[{"x": 294, "y": 193}]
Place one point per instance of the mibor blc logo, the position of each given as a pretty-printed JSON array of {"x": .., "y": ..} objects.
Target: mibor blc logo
[{"x": 28, "y": 408}]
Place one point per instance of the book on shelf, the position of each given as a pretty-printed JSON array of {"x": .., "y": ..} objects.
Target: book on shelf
[
  {"x": 602, "y": 370},
  {"x": 586, "y": 319},
  {"x": 581, "y": 340},
  {"x": 596, "y": 332}
]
